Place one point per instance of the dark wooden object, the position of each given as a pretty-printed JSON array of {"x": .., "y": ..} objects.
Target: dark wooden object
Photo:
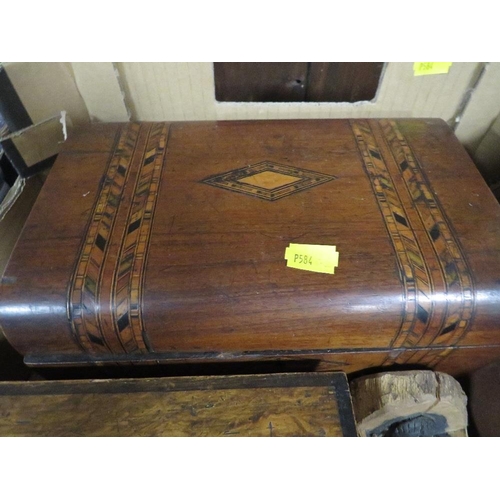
[
  {"x": 264, "y": 82},
  {"x": 165, "y": 243},
  {"x": 289, "y": 82},
  {"x": 311, "y": 404},
  {"x": 343, "y": 82},
  {"x": 484, "y": 400}
]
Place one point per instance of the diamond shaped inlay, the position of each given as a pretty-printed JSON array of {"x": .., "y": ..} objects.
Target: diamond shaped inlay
[{"x": 268, "y": 180}]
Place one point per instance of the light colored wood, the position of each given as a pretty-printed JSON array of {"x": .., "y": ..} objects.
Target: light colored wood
[
  {"x": 309, "y": 404},
  {"x": 382, "y": 401}
]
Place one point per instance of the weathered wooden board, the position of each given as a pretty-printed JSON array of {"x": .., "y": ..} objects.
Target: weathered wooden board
[{"x": 311, "y": 404}]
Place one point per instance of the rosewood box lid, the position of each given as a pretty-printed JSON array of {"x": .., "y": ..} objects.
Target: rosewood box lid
[{"x": 158, "y": 241}]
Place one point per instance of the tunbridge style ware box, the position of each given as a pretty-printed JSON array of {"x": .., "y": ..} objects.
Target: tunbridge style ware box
[{"x": 165, "y": 242}]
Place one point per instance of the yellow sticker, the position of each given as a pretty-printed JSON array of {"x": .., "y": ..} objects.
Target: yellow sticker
[
  {"x": 316, "y": 258},
  {"x": 431, "y": 68}
]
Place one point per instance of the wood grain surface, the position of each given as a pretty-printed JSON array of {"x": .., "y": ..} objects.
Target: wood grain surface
[
  {"x": 159, "y": 242},
  {"x": 411, "y": 403},
  {"x": 260, "y": 82},
  {"x": 292, "y": 82},
  {"x": 260, "y": 405},
  {"x": 343, "y": 82}
]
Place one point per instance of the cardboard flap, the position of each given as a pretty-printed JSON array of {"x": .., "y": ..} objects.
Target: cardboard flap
[
  {"x": 29, "y": 149},
  {"x": 33, "y": 92}
]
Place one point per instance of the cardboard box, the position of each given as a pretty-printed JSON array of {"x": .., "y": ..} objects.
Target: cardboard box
[
  {"x": 186, "y": 91},
  {"x": 108, "y": 103},
  {"x": 487, "y": 154},
  {"x": 35, "y": 148},
  {"x": 31, "y": 93}
]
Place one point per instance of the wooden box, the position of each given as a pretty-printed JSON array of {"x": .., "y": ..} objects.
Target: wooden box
[
  {"x": 298, "y": 404},
  {"x": 165, "y": 242}
]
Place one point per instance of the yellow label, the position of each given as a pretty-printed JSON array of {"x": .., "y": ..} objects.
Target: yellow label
[
  {"x": 431, "y": 68},
  {"x": 316, "y": 258}
]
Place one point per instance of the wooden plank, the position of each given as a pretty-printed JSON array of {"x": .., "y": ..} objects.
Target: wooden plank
[
  {"x": 343, "y": 82},
  {"x": 311, "y": 404},
  {"x": 260, "y": 82}
]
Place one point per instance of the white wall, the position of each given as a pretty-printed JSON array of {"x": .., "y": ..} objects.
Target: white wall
[{"x": 185, "y": 91}]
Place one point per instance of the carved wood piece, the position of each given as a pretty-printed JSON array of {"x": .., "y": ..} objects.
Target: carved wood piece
[{"x": 417, "y": 403}]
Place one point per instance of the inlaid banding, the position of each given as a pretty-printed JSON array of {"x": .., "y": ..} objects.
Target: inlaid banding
[
  {"x": 437, "y": 286},
  {"x": 113, "y": 255}
]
